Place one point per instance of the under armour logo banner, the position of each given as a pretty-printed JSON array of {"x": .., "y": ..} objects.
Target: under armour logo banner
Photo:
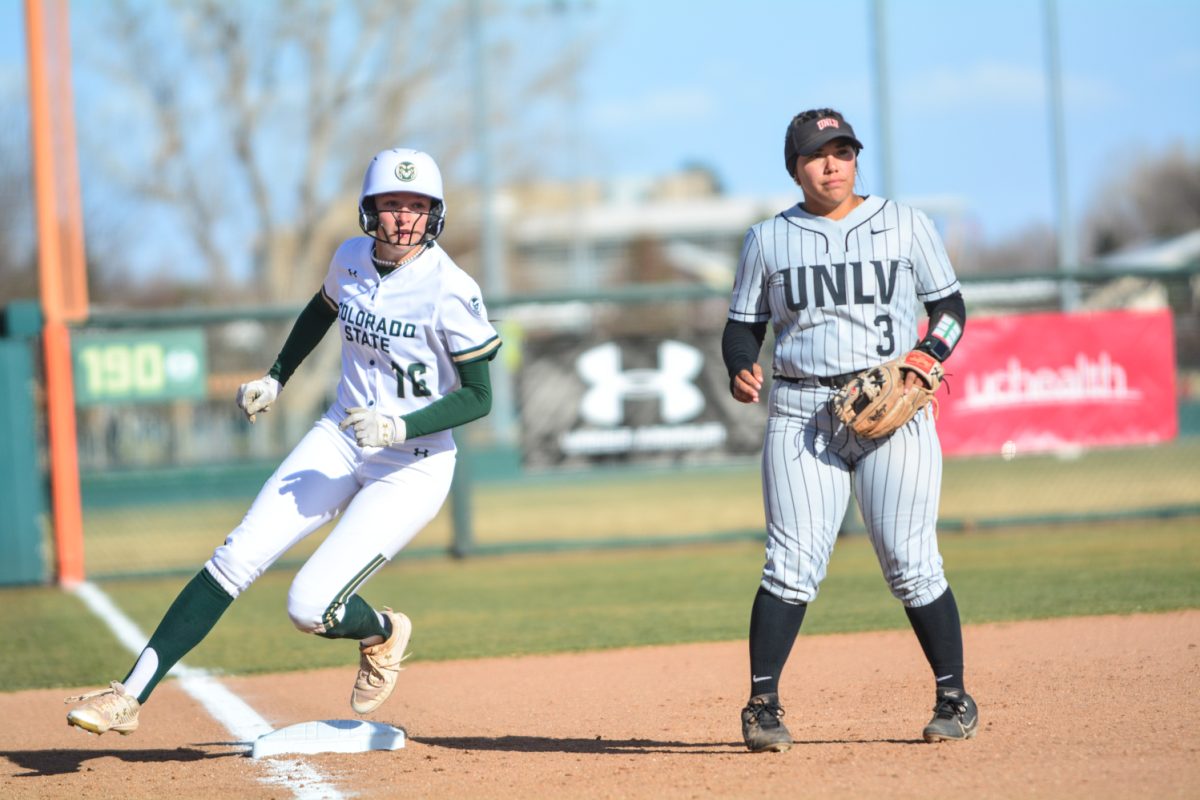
[
  {"x": 639, "y": 398},
  {"x": 671, "y": 384}
]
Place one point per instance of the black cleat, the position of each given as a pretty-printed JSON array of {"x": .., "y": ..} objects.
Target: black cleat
[
  {"x": 762, "y": 725},
  {"x": 955, "y": 717}
]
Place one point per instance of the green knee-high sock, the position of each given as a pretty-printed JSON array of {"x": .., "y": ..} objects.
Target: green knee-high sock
[
  {"x": 188, "y": 620},
  {"x": 359, "y": 621}
]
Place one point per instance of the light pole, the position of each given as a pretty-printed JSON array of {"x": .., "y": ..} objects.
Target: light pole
[
  {"x": 1068, "y": 257},
  {"x": 883, "y": 106}
]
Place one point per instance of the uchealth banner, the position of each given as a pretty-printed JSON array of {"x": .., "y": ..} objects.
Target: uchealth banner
[{"x": 1039, "y": 382}]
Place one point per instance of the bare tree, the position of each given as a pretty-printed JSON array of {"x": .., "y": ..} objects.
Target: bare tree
[
  {"x": 1031, "y": 249},
  {"x": 18, "y": 272},
  {"x": 247, "y": 126},
  {"x": 1154, "y": 198}
]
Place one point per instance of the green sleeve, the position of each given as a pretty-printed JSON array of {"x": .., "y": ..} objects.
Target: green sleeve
[
  {"x": 310, "y": 326},
  {"x": 469, "y": 402}
]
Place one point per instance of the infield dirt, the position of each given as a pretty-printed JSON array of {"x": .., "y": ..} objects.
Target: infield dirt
[{"x": 1098, "y": 707}]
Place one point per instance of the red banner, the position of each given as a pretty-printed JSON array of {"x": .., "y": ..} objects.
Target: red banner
[{"x": 1038, "y": 382}]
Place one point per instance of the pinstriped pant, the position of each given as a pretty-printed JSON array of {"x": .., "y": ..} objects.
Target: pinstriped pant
[{"x": 810, "y": 462}]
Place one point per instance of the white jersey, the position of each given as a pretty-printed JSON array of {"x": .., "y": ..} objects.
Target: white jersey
[
  {"x": 841, "y": 294},
  {"x": 403, "y": 333}
]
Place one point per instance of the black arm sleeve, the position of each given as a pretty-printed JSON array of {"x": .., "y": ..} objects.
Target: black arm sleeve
[
  {"x": 740, "y": 344},
  {"x": 469, "y": 402},
  {"x": 947, "y": 320},
  {"x": 306, "y": 334}
]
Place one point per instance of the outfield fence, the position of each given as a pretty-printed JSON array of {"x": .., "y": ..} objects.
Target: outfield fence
[{"x": 611, "y": 427}]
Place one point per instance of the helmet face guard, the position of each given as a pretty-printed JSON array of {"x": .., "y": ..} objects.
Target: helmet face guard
[
  {"x": 368, "y": 220},
  {"x": 402, "y": 170}
]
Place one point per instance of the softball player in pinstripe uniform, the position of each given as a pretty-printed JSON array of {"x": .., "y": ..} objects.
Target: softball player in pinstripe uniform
[
  {"x": 416, "y": 343},
  {"x": 839, "y": 276}
]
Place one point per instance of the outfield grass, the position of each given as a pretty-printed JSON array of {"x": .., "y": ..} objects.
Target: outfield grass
[
  {"x": 588, "y": 600},
  {"x": 627, "y": 505}
]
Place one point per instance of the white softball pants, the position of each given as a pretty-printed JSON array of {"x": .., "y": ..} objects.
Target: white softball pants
[{"x": 384, "y": 497}]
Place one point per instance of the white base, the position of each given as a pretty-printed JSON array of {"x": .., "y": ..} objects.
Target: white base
[{"x": 330, "y": 736}]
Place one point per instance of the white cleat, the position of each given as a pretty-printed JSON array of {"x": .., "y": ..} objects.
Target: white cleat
[
  {"x": 105, "y": 710},
  {"x": 379, "y": 666}
]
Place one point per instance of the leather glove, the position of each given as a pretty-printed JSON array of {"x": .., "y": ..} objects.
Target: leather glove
[
  {"x": 372, "y": 429},
  {"x": 258, "y": 395},
  {"x": 877, "y": 401}
]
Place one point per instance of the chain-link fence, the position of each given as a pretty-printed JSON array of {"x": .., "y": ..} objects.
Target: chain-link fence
[{"x": 611, "y": 426}]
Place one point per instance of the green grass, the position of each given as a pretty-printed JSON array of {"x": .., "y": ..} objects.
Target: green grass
[
  {"x": 637, "y": 504},
  {"x": 1115, "y": 480},
  {"x": 589, "y": 600}
]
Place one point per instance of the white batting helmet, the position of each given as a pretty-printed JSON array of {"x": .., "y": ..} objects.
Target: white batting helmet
[{"x": 402, "y": 170}]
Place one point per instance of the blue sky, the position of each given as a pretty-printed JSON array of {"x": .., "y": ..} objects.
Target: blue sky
[
  {"x": 672, "y": 82},
  {"x": 968, "y": 92}
]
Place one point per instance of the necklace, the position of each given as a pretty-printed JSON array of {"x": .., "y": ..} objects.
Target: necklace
[{"x": 390, "y": 265}]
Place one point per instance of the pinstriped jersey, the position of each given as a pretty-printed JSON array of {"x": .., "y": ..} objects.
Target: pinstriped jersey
[
  {"x": 403, "y": 333},
  {"x": 841, "y": 294}
]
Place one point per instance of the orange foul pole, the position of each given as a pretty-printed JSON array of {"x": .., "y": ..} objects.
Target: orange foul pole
[{"x": 61, "y": 271}]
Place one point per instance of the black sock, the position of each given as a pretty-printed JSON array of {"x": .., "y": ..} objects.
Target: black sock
[
  {"x": 774, "y": 624},
  {"x": 940, "y": 633}
]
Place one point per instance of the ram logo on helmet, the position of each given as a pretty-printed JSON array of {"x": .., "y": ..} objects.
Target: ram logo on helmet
[{"x": 406, "y": 171}]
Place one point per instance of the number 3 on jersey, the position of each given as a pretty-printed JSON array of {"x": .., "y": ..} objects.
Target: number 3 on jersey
[
  {"x": 415, "y": 374},
  {"x": 884, "y": 323}
]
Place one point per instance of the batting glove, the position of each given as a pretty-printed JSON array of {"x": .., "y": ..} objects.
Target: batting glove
[
  {"x": 372, "y": 429},
  {"x": 258, "y": 395}
]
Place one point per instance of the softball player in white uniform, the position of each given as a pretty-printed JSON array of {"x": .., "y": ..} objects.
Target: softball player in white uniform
[
  {"x": 838, "y": 276},
  {"x": 416, "y": 343}
]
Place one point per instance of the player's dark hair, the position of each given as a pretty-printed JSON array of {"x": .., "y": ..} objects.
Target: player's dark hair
[{"x": 790, "y": 153}]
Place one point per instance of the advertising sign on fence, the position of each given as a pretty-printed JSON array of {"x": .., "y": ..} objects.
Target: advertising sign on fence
[
  {"x": 142, "y": 367},
  {"x": 1040, "y": 382},
  {"x": 1020, "y": 383},
  {"x": 631, "y": 399}
]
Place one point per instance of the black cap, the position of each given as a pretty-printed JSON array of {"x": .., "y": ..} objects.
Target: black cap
[{"x": 809, "y": 132}]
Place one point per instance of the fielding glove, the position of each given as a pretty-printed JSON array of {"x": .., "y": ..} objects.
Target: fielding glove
[
  {"x": 372, "y": 429},
  {"x": 258, "y": 395},
  {"x": 874, "y": 403}
]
